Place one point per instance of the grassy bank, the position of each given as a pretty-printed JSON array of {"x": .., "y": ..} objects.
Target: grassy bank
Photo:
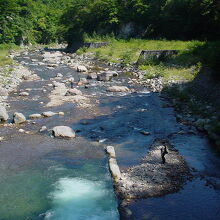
[
  {"x": 4, "y": 52},
  {"x": 180, "y": 67}
]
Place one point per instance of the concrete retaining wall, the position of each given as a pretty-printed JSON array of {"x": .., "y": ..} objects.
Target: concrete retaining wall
[{"x": 146, "y": 54}]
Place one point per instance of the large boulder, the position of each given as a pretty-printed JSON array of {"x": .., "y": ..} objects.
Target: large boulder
[
  {"x": 118, "y": 89},
  {"x": 18, "y": 118},
  {"x": 3, "y": 114},
  {"x": 63, "y": 131}
]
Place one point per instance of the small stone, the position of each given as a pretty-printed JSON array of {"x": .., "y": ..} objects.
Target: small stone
[
  {"x": 21, "y": 130},
  {"x": 145, "y": 132},
  {"x": 63, "y": 131},
  {"x": 18, "y": 118},
  {"x": 92, "y": 76},
  {"x": 82, "y": 81},
  {"x": 59, "y": 75},
  {"x": 43, "y": 128},
  {"x": 48, "y": 114},
  {"x": 34, "y": 116},
  {"x": 61, "y": 113},
  {"x": 81, "y": 69},
  {"x": 72, "y": 92},
  {"x": 23, "y": 94},
  {"x": 3, "y": 114}
]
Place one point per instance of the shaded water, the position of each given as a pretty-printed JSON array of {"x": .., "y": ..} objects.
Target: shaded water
[{"x": 46, "y": 178}]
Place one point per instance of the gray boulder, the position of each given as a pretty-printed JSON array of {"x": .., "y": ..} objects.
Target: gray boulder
[
  {"x": 3, "y": 114},
  {"x": 63, "y": 131},
  {"x": 18, "y": 118}
]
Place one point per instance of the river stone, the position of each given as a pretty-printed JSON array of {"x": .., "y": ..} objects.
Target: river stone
[
  {"x": 48, "y": 114},
  {"x": 106, "y": 76},
  {"x": 81, "y": 69},
  {"x": 118, "y": 89},
  {"x": 114, "y": 168},
  {"x": 92, "y": 76},
  {"x": 33, "y": 116},
  {"x": 18, "y": 118},
  {"x": 63, "y": 131},
  {"x": 72, "y": 92},
  {"x": 23, "y": 94},
  {"x": 111, "y": 151},
  {"x": 3, "y": 92},
  {"x": 3, "y": 114},
  {"x": 82, "y": 81},
  {"x": 59, "y": 75}
]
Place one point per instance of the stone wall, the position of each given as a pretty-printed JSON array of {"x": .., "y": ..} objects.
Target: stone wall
[{"x": 146, "y": 54}]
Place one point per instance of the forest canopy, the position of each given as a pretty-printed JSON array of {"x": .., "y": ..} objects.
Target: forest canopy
[{"x": 46, "y": 21}]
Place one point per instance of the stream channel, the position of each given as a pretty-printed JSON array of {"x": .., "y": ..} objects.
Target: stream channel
[{"x": 42, "y": 177}]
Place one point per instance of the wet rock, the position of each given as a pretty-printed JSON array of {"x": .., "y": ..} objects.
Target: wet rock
[
  {"x": 111, "y": 151},
  {"x": 200, "y": 124},
  {"x": 21, "y": 130},
  {"x": 105, "y": 76},
  {"x": 81, "y": 69},
  {"x": 43, "y": 128},
  {"x": 35, "y": 116},
  {"x": 23, "y": 94},
  {"x": 61, "y": 113},
  {"x": 3, "y": 91},
  {"x": 63, "y": 131},
  {"x": 72, "y": 92},
  {"x": 114, "y": 168},
  {"x": 3, "y": 114},
  {"x": 92, "y": 76},
  {"x": 118, "y": 89},
  {"x": 48, "y": 114},
  {"x": 59, "y": 75},
  {"x": 82, "y": 81},
  {"x": 145, "y": 132},
  {"x": 18, "y": 118}
]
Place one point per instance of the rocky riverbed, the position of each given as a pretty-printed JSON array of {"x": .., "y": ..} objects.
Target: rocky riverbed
[{"x": 64, "y": 113}]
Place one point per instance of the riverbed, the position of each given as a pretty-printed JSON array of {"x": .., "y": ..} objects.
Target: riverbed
[{"x": 43, "y": 177}]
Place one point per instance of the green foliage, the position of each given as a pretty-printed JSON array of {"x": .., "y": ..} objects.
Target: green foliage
[
  {"x": 170, "y": 19},
  {"x": 29, "y": 21}
]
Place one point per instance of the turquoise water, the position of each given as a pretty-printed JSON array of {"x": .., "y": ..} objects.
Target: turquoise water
[{"x": 57, "y": 193}]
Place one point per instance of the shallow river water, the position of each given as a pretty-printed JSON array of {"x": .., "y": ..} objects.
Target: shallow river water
[{"x": 42, "y": 177}]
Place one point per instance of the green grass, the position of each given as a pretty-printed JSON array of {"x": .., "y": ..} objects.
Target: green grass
[
  {"x": 129, "y": 50},
  {"x": 4, "y": 51},
  {"x": 183, "y": 66},
  {"x": 169, "y": 73}
]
